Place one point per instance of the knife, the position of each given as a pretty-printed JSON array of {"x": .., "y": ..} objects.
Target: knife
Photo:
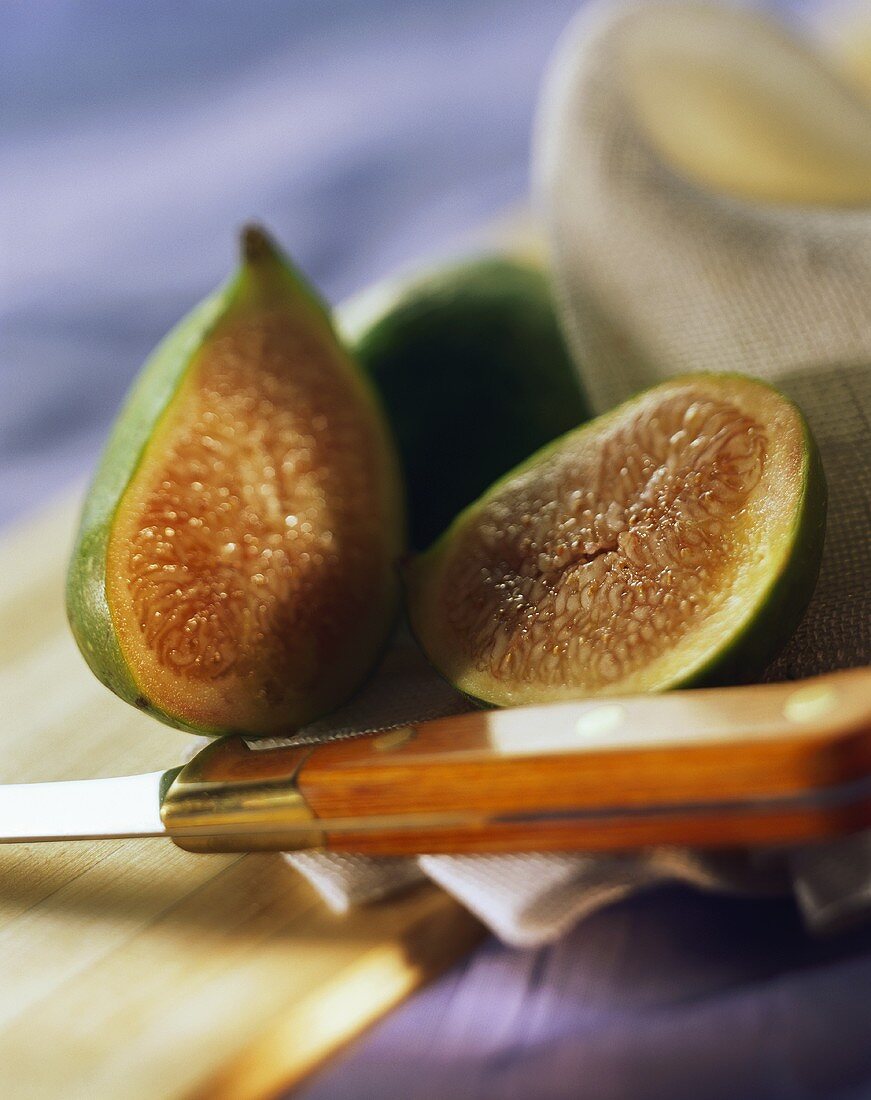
[{"x": 766, "y": 764}]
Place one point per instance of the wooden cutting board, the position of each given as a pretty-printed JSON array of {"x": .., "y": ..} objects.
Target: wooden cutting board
[{"x": 133, "y": 969}]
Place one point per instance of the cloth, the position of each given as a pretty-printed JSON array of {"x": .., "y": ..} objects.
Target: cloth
[
  {"x": 671, "y": 994},
  {"x": 657, "y": 275}
]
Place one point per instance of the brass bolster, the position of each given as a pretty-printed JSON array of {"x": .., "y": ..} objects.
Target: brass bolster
[{"x": 230, "y": 798}]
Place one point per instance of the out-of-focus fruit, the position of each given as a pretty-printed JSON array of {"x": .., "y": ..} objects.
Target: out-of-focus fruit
[{"x": 474, "y": 375}]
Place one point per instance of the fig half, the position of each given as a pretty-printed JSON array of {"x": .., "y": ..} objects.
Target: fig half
[
  {"x": 235, "y": 565},
  {"x": 673, "y": 541}
]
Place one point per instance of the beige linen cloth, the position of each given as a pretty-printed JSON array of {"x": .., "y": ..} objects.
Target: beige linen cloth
[{"x": 661, "y": 126}]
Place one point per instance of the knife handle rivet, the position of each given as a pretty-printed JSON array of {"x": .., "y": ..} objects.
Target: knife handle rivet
[
  {"x": 393, "y": 739},
  {"x": 807, "y": 704},
  {"x": 599, "y": 720}
]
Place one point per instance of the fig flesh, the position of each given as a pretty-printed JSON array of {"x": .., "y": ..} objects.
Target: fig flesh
[
  {"x": 675, "y": 540},
  {"x": 235, "y": 566}
]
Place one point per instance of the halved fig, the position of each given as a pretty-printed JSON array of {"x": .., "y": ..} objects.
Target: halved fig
[
  {"x": 235, "y": 567},
  {"x": 675, "y": 540}
]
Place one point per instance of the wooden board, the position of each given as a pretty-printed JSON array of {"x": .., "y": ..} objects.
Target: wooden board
[{"x": 133, "y": 969}]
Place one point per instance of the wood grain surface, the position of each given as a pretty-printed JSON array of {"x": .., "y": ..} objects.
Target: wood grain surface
[{"x": 137, "y": 970}]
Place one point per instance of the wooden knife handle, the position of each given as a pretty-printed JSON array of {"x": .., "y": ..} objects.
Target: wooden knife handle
[{"x": 745, "y": 765}]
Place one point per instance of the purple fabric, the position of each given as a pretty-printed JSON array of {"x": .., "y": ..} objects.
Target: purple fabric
[
  {"x": 673, "y": 995},
  {"x": 135, "y": 138}
]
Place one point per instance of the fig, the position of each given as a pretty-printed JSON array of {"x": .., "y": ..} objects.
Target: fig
[
  {"x": 474, "y": 375},
  {"x": 673, "y": 541},
  {"x": 234, "y": 569}
]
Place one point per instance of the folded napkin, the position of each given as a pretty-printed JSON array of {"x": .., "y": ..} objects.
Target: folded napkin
[{"x": 646, "y": 168}]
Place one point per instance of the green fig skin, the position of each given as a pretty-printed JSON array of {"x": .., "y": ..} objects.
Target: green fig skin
[
  {"x": 473, "y": 373},
  {"x": 786, "y": 600},
  {"x": 87, "y": 605},
  {"x": 762, "y": 626},
  {"x": 266, "y": 280}
]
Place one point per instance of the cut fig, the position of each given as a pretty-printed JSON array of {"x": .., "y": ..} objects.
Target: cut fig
[
  {"x": 675, "y": 540},
  {"x": 235, "y": 565}
]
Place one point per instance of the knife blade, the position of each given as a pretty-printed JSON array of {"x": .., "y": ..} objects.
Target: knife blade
[
  {"x": 82, "y": 809},
  {"x": 709, "y": 767}
]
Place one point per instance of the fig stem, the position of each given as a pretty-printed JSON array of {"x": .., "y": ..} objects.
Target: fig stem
[{"x": 256, "y": 244}]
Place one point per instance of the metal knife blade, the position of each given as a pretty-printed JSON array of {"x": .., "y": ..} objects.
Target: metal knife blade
[{"x": 83, "y": 809}]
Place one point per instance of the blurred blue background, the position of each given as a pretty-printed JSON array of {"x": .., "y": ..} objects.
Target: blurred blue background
[{"x": 136, "y": 138}]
